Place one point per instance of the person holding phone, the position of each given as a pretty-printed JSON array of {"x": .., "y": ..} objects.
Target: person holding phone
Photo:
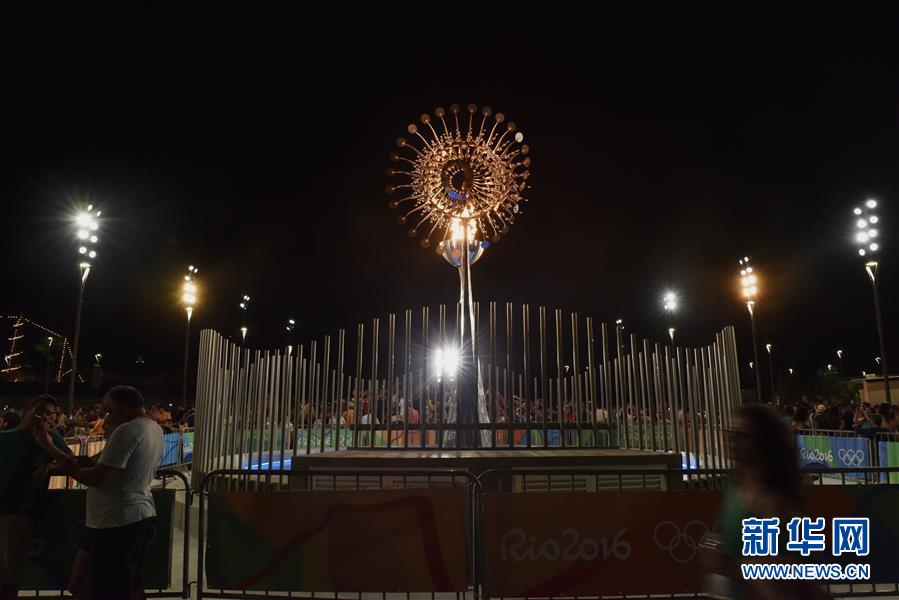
[{"x": 25, "y": 453}]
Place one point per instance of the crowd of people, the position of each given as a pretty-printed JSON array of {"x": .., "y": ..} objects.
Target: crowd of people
[
  {"x": 120, "y": 511},
  {"x": 861, "y": 418},
  {"x": 90, "y": 421}
]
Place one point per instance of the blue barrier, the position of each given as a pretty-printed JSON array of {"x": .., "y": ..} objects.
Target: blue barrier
[
  {"x": 827, "y": 451},
  {"x": 171, "y": 449}
]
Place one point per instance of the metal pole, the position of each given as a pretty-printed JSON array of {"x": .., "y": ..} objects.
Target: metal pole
[
  {"x": 771, "y": 373},
  {"x": 871, "y": 268},
  {"x": 189, "y": 312},
  {"x": 755, "y": 351},
  {"x": 85, "y": 271}
]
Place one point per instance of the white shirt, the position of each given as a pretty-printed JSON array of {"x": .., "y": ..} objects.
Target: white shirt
[{"x": 124, "y": 498}]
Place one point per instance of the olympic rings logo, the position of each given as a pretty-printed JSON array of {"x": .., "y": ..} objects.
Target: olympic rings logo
[
  {"x": 681, "y": 544},
  {"x": 852, "y": 458}
]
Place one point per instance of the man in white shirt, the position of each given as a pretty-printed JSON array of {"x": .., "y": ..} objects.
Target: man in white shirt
[{"x": 120, "y": 508}]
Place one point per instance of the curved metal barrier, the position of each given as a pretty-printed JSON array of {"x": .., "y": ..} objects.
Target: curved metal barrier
[{"x": 554, "y": 381}]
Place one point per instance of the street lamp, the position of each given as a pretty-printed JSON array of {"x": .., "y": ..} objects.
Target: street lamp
[
  {"x": 749, "y": 282},
  {"x": 189, "y": 299},
  {"x": 770, "y": 350},
  {"x": 86, "y": 227},
  {"x": 867, "y": 240},
  {"x": 244, "y": 305},
  {"x": 670, "y": 304},
  {"x": 49, "y": 364},
  {"x": 291, "y": 325}
]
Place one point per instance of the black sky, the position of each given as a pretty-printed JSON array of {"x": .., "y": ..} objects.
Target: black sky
[{"x": 667, "y": 142}]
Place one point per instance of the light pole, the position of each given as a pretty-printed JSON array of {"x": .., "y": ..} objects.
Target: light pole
[
  {"x": 770, "y": 350},
  {"x": 840, "y": 356},
  {"x": 291, "y": 325},
  {"x": 87, "y": 225},
  {"x": 867, "y": 241},
  {"x": 244, "y": 305},
  {"x": 49, "y": 363},
  {"x": 749, "y": 281},
  {"x": 189, "y": 299},
  {"x": 670, "y": 304}
]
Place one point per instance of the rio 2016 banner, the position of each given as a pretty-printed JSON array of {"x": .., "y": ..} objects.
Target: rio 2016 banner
[
  {"x": 361, "y": 541},
  {"x": 617, "y": 543},
  {"x": 822, "y": 452},
  {"x": 569, "y": 544}
]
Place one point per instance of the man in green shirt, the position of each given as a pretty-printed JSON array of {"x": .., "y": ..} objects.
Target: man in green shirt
[{"x": 23, "y": 486}]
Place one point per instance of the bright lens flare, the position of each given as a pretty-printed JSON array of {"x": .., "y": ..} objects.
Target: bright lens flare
[{"x": 446, "y": 362}]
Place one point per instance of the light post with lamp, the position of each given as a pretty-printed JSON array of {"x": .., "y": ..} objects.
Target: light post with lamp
[
  {"x": 867, "y": 239},
  {"x": 87, "y": 224},
  {"x": 670, "y": 304},
  {"x": 749, "y": 282},
  {"x": 189, "y": 299}
]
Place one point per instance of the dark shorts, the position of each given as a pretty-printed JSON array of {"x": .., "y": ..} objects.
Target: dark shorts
[{"x": 118, "y": 558}]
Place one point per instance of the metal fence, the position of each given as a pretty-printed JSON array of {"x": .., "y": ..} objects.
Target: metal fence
[
  {"x": 322, "y": 482},
  {"x": 177, "y": 451},
  {"x": 563, "y": 381},
  {"x": 179, "y": 577},
  {"x": 601, "y": 484}
]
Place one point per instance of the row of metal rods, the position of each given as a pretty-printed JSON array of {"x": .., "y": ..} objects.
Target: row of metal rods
[{"x": 258, "y": 408}]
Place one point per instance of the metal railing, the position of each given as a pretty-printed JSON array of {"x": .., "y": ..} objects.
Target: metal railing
[
  {"x": 494, "y": 482},
  {"x": 182, "y": 590},
  {"x": 281, "y": 481}
]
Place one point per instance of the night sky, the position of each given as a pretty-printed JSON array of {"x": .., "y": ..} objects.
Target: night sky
[{"x": 666, "y": 143}]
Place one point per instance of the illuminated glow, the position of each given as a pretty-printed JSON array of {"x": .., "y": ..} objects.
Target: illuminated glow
[
  {"x": 94, "y": 225},
  {"x": 872, "y": 233},
  {"x": 857, "y": 211},
  {"x": 871, "y": 203},
  {"x": 670, "y": 299},
  {"x": 82, "y": 234},
  {"x": 457, "y": 233},
  {"x": 92, "y": 254},
  {"x": 83, "y": 220},
  {"x": 861, "y": 251},
  {"x": 82, "y": 250},
  {"x": 873, "y": 219},
  {"x": 861, "y": 237},
  {"x": 873, "y": 247},
  {"x": 446, "y": 361},
  {"x": 861, "y": 223},
  {"x": 94, "y": 239}
]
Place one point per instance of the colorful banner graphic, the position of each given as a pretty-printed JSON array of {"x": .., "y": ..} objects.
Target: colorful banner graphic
[
  {"x": 171, "y": 449},
  {"x": 822, "y": 452},
  {"x": 569, "y": 544},
  {"x": 61, "y": 532},
  {"x": 888, "y": 453},
  {"x": 365, "y": 541},
  {"x": 187, "y": 447}
]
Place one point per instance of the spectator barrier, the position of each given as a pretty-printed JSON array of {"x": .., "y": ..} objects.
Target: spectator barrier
[
  {"x": 824, "y": 448},
  {"x": 888, "y": 454},
  {"x": 61, "y": 532},
  {"x": 507, "y": 533}
]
